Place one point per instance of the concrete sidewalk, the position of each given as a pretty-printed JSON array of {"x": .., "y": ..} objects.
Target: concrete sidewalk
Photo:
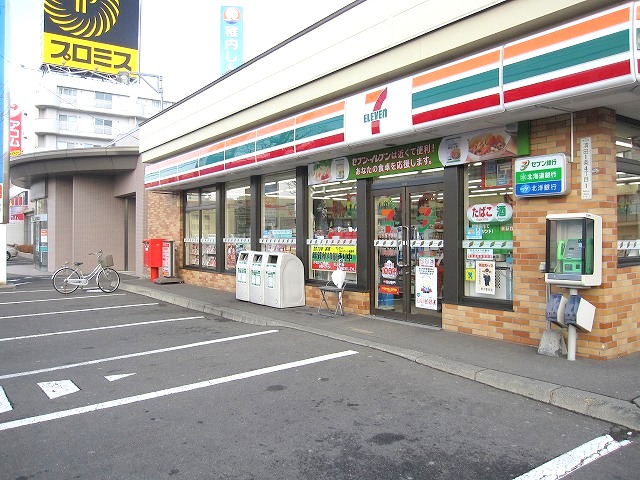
[{"x": 607, "y": 390}]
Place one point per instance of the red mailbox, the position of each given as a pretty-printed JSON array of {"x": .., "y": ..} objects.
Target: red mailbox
[{"x": 153, "y": 255}]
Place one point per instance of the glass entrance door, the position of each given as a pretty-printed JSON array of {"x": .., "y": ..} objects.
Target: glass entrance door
[{"x": 408, "y": 253}]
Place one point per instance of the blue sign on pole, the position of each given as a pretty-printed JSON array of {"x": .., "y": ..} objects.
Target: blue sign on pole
[{"x": 230, "y": 38}]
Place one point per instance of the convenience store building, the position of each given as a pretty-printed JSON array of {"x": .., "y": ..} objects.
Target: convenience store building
[{"x": 423, "y": 151}]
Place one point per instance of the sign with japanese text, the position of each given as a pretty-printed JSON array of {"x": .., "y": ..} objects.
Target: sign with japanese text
[
  {"x": 586, "y": 172},
  {"x": 489, "y": 212},
  {"x": 480, "y": 145},
  {"x": 545, "y": 175},
  {"x": 486, "y": 277},
  {"x": 15, "y": 131},
  {"x": 327, "y": 257},
  {"x": 97, "y": 35},
  {"x": 427, "y": 284},
  {"x": 231, "y": 32}
]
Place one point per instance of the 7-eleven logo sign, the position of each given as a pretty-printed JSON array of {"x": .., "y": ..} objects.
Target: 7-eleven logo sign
[{"x": 376, "y": 99}]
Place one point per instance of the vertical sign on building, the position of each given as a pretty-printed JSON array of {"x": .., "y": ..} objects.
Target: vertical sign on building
[
  {"x": 98, "y": 35},
  {"x": 15, "y": 131},
  {"x": 230, "y": 38},
  {"x": 586, "y": 172}
]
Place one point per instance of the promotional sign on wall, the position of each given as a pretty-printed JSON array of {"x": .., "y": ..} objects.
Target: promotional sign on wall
[
  {"x": 486, "y": 277},
  {"x": 97, "y": 35}
]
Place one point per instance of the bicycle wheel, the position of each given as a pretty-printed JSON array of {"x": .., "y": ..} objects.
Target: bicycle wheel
[
  {"x": 108, "y": 280},
  {"x": 61, "y": 280}
]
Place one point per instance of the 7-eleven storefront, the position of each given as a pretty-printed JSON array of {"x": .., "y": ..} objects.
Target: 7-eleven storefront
[{"x": 432, "y": 190}]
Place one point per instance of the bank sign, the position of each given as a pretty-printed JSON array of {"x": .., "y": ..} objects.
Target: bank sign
[{"x": 542, "y": 176}]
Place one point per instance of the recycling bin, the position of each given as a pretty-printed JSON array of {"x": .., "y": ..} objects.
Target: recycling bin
[
  {"x": 242, "y": 275},
  {"x": 257, "y": 274},
  {"x": 284, "y": 280}
]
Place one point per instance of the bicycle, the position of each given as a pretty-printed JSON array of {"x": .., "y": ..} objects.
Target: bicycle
[{"x": 66, "y": 279}]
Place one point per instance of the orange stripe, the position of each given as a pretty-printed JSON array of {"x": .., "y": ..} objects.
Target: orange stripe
[
  {"x": 568, "y": 33},
  {"x": 371, "y": 97},
  {"x": 321, "y": 112},
  {"x": 457, "y": 68},
  {"x": 288, "y": 123},
  {"x": 638, "y": 13},
  {"x": 240, "y": 139}
]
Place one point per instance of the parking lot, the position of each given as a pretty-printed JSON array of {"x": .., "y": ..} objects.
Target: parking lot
[{"x": 120, "y": 385}]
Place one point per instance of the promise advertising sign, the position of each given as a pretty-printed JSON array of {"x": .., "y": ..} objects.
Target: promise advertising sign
[{"x": 98, "y": 35}]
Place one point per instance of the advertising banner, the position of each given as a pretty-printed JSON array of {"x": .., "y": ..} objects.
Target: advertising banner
[
  {"x": 231, "y": 32},
  {"x": 98, "y": 35},
  {"x": 15, "y": 131},
  {"x": 328, "y": 257},
  {"x": 478, "y": 146}
]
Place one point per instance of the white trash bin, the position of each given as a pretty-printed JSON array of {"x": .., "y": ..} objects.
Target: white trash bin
[
  {"x": 242, "y": 275},
  {"x": 257, "y": 274},
  {"x": 284, "y": 282}
]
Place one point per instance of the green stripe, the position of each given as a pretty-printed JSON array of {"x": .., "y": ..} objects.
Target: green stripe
[
  {"x": 151, "y": 176},
  {"x": 187, "y": 166},
  {"x": 568, "y": 57},
  {"x": 167, "y": 172},
  {"x": 211, "y": 159},
  {"x": 240, "y": 151},
  {"x": 324, "y": 126},
  {"x": 455, "y": 89},
  {"x": 275, "y": 140}
]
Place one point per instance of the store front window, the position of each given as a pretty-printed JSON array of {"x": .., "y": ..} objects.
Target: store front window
[
  {"x": 200, "y": 228},
  {"x": 488, "y": 241},
  {"x": 628, "y": 189},
  {"x": 237, "y": 222},
  {"x": 279, "y": 213},
  {"x": 333, "y": 229}
]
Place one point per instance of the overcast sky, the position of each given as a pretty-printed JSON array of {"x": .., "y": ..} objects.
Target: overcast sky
[{"x": 178, "y": 39}]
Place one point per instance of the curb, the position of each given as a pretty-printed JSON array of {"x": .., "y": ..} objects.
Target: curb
[{"x": 613, "y": 410}]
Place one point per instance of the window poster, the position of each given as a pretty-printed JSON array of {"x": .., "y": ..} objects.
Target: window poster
[
  {"x": 486, "y": 277},
  {"x": 427, "y": 283}
]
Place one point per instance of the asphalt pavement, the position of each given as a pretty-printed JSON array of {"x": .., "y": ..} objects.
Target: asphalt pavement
[{"x": 608, "y": 390}]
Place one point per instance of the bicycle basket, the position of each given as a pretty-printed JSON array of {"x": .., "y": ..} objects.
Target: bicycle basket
[{"x": 107, "y": 261}]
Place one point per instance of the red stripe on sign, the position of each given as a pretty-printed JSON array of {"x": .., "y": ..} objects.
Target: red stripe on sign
[
  {"x": 213, "y": 169},
  {"x": 168, "y": 180},
  {"x": 187, "y": 176},
  {"x": 458, "y": 109},
  {"x": 281, "y": 152},
  {"x": 605, "y": 72},
  {"x": 239, "y": 163},
  {"x": 152, "y": 184},
  {"x": 321, "y": 142}
]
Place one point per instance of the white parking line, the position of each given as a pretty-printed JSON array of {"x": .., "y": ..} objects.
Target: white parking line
[
  {"x": 63, "y": 298},
  {"x": 26, "y": 291},
  {"x": 5, "y": 404},
  {"x": 574, "y": 459},
  {"x": 170, "y": 391},
  {"x": 77, "y": 311},
  {"x": 67, "y": 332},
  {"x": 138, "y": 354}
]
